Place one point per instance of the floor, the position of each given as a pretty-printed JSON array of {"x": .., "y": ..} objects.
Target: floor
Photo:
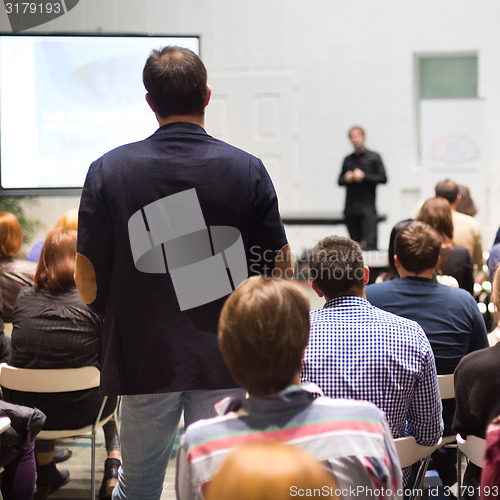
[{"x": 78, "y": 488}]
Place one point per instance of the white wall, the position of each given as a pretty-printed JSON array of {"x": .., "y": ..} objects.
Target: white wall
[{"x": 351, "y": 62}]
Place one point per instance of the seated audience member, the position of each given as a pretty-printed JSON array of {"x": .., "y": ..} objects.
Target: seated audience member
[
  {"x": 361, "y": 352},
  {"x": 270, "y": 471},
  {"x": 4, "y": 340},
  {"x": 449, "y": 316},
  {"x": 263, "y": 331},
  {"x": 466, "y": 230},
  {"x": 53, "y": 328},
  {"x": 490, "y": 478},
  {"x": 477, "y": 392},
  {"x": 392, "y": 273},
  {"x": 466, "y": 204},
  {"x": 14, "y": 273},
  {"x": 17, "y": 451},
  {"x": 68, "y": 221},
  {"x": 494, "y": 257},
  {"x": 455, "y": 260}
]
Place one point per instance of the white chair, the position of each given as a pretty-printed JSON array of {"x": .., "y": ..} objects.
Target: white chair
[
  {"x": 473, "y": 448},
  {"x": 409, "y": 453},
  {"x": 61, "y": 380},
  {"x": 447, "y": 391}
]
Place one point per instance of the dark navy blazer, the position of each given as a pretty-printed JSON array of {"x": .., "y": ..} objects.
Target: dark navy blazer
[{"x": 149, "y": 345}]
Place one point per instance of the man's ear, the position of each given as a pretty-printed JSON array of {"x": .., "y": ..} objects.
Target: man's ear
[
  {"x": 397, "y": 262},
  {"x": 209, "y": 94},
  {"x": 319, "y": 293},
  {"x": 367, "y": 274},
  {"x": 438, "y": 261},
  {"x": 150, "y": 102}
]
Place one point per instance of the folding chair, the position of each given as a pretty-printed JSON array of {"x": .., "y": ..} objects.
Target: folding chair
[
  {"x": 59, "y": 380},
  {"x": 409, "y": 453},
  {"x": 473, "y": 448},
  {"x": 447, "y": 391}
]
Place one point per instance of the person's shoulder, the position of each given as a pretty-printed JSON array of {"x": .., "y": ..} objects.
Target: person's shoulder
[
  {"x": 354, "y": 410},
  {"x": 479, "y": 361},
  {"x": 25, "y": 293},
  {"x": 204, "y": 428},
  {"x": 382, "y": 286},
  {"x": 459, "y": 217},
  {"x": 372, "y": 154},
  {"x": 22, "y": 267}
]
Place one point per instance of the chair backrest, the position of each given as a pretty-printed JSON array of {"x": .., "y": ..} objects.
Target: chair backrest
[
  {"x": 473, "y": 448},
  {"x": 446, "y": 386},
  {"x": 409, "y": 452},
  {"x": 58, "y": 380}
]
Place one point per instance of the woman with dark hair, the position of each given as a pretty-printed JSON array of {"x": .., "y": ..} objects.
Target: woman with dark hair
[
  {"x": 392, "y": 272},
  {"x": 53, "y": 328},
  {"x": 454, "y": 260}
]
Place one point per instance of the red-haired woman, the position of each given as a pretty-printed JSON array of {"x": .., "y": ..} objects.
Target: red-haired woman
[
  {"x": 454, "y": 260},
  {"x": 53, "y": 328},
  {"x": 14, "y": 273}
]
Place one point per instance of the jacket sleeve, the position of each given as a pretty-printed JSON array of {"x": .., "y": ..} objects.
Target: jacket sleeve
[
  {"x": 95, "y": 243},
  {"x": 25, "y": 425},
  {"x": 345, "y": 168},
  {"x": 377, "y": 175}
]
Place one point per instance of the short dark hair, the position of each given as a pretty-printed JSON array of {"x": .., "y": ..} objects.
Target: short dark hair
[
  {"x": 263, "y": 332},
  {"x": 417, "y": 246},
  {"x": 448, "y": 190},
  {"x": 336, "y": 267},
  {"x": 176, "y": 80},
  {"x": 56, "y": 267},
  {"x": 437, "y": 213}
]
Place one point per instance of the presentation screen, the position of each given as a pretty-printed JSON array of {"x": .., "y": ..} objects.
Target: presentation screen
[{"x": 65, "y": 100}]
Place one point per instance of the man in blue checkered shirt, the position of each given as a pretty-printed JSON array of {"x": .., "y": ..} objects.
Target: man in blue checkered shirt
[
  {"x": 359, "y": 351},
  {"x": 449, "y": 316}
]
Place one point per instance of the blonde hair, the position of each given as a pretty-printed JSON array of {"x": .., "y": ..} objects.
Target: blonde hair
[
  {"x": 263, "y": 331},
  {"x": 270, "y": 471},
  {"x": 69, "y": 220}
]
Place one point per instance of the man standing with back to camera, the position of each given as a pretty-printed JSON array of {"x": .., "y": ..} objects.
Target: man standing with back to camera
[
  {"x": 168, "y": 227},
  {"x": 361, "y": 171}
]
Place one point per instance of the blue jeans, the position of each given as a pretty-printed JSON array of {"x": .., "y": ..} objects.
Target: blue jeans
[{"x": 149, "y": 424}]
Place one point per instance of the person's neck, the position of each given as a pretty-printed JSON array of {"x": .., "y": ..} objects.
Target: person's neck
[
  {"x": 428, "y": 273},
  {"x": 196, "y": 119},
  {"x": 361, "y": 294},
  {"x": 295, "y": 381}
]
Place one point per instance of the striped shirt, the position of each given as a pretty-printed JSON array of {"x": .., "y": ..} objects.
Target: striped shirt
[
  {"x": 359, "y": 351},
  {"x": 352, "y": 438}
]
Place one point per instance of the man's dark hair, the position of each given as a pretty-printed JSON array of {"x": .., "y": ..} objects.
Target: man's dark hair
[
  {"x": 447, "y": 189},
  {"x": 336, "y": 267},
  {"x": 176, "y": 80},
  {"x": 417, "y": 246}
]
